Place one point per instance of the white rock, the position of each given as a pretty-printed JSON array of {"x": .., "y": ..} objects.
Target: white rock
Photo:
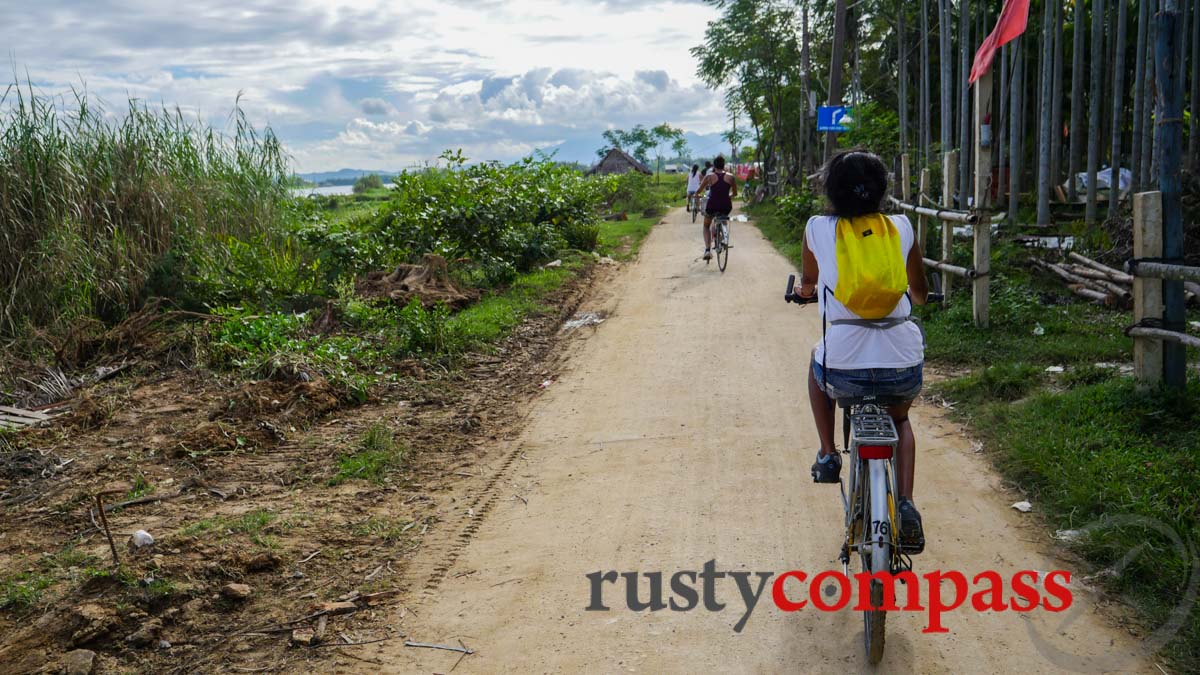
[
  {"x": 141, "y": 539},
  {"x": 1023, "y": 507},
  {"x": 1055, "y": 369}
]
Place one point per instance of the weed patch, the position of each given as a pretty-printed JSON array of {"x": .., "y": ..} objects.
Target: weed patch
[{"x": 378, "y": 455}]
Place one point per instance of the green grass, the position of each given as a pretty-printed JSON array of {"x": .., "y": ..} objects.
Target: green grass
[
  {"x": 252, "y": 522},
  {"x": 100, "y": 212},
  {"x": 1104, "y": 451},
  {"x": 623, "y": 238},
  {"x": 377, "y": 456}
]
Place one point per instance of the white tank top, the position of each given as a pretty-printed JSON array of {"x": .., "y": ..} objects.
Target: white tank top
[
  {"x": 856, "y": 347},
  {"x": 693, "y": 181}
]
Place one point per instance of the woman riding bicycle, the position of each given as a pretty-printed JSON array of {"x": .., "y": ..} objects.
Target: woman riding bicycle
[
  {"x": 722, "y": 188},
  {"x": 693, "y": 187},
  {"x": 876, "y": 350}
]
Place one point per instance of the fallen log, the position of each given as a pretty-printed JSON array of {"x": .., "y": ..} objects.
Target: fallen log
[{"x": 1091, "y": 294}]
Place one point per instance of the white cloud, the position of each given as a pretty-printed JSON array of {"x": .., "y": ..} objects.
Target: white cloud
[{"x": 377, "y": 84}]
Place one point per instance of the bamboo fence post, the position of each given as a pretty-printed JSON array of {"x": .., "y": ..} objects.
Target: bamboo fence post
[
  {"x": 1147, "y": 292},
  {"x": 983, "y": 183}
]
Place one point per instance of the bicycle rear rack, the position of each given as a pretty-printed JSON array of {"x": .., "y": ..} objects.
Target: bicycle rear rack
[{"x": 873, "y": 429}]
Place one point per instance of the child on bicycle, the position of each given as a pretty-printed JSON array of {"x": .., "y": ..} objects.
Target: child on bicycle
[
  {"x": 866, "y": 288},
  {"x": 693, "y": 187}
]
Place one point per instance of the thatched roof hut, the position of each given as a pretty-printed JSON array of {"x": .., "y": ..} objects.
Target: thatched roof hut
[{"x": 618, "y": 161}]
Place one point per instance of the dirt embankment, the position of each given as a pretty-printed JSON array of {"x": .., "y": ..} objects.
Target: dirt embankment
[{"x": 260, "y": 527}]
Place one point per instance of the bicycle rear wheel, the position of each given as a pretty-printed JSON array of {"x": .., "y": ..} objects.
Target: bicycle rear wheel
[
  {"x": 876, "y": 557},
  {"x": 722, "y": 246},
  {"x": 695, "y": 210}
]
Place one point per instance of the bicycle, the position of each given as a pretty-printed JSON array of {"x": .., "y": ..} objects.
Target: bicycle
[
  {"x": 872, "y": 526},
  {"x": 720, "y": 240},
  {"x": 694, "y": 203}
]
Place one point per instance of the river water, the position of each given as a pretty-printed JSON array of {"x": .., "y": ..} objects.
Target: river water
[{"x": 324, "y": 190}]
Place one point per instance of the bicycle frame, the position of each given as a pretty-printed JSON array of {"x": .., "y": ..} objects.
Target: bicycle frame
[{"x": 869, "y": 426}]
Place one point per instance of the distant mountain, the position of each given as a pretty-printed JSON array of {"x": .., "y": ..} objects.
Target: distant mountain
[{"x": 344, "y": 176}]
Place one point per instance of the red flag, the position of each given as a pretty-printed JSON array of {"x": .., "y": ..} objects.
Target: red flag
[{"x": 1014, "y": 16}]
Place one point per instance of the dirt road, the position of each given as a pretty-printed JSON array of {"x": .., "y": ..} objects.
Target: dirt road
[{"x": 675, "y": 436}]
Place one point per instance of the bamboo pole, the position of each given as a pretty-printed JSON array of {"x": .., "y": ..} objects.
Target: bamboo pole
[
  {"x": 946, "y": 110},
  {"x": 964, "y": 99},
  {"x": 1169, "y": 140},
  {"x": 1075, "y": 146},
  {"x": 921, "y": 220},
  {"x": 983, "y": 182},
  {"x": 1045, "y": 79},
  {"x": 1114, "y": 274},
  {"x": 1014, "y": 132},
  {"x": 946, "y": 215},
  {"x": 949, "y": 175},
  {"x": 1139, "y": 93},
  {"x": 1147, "y": 293},
  {"x": 950, "y": 269},
  {"x": 1165, "y": 336},
  {"x": 1096, "y": 94},
  {"x": 1056, "y": 106},
  {"x": 1114, "y": 191}
]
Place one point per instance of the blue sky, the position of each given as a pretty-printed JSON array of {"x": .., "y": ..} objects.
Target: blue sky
[{"x": 381, "y": 85}]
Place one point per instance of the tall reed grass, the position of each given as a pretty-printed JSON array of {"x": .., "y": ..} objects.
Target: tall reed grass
[{"x": 100, "y": 210}]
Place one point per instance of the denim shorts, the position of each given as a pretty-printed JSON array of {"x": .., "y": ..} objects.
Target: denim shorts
[{"x": 902, "y": 383}]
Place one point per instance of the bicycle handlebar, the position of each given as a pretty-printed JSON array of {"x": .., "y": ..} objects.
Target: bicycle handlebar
[{"x": 791, "y": 296}]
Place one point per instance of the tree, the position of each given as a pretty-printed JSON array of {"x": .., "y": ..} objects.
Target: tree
[
  {"x": 680, "y": 148},
  {"x": 368, "y": 182},
  {"x": 637, "y": 141},
  {"x": 660, "y": 138}
]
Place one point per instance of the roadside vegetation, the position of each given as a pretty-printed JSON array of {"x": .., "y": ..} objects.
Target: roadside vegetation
[
  {"x": 1047, "y": 389},
  {"x": 262, "y": 344}
]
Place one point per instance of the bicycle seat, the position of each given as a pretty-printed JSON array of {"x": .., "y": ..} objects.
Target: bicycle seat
[{"x": 884, "y": 401}]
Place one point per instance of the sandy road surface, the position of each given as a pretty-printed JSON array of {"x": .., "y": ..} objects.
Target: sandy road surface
[{"x": 649, "y": 454}]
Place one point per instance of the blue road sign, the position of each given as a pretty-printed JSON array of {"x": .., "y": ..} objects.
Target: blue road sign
[{"x": 829, "y": 117}]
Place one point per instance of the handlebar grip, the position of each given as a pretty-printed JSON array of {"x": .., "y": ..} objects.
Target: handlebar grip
[
  {"x": 935, "y": 297},
  {"x": 792, "y": 296}
]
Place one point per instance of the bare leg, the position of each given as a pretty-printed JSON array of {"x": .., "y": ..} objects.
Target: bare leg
[
  {"x": 822, "y": 409},
  {"x": 906, "y": 454},
  {"x": 707, "y": 232}
]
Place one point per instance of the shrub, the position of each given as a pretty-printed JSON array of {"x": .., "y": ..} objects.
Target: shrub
[
  {"x": 366, "y": 183},
  {"x": 582, "y": 236}
]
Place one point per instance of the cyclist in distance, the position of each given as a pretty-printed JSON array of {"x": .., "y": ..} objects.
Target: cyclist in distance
[
  {"x": 869, "y": 345},
  {"x": 693, "y": 186},
  {"x": 722, "y": 188}
]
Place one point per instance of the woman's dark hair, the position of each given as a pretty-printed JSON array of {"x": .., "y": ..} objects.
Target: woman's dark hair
[
  {"x": 708, "y": 165},
  {"x": 719, "y": 162},
  {"x": 855, "y": 183},
  {"x": 695, "y": 168}
]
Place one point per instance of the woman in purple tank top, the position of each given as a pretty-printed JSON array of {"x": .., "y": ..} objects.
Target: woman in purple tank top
[{"x": 722, "y": 188}]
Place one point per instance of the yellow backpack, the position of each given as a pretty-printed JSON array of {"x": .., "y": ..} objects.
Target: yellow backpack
[{"x": 872, "y": 276}]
